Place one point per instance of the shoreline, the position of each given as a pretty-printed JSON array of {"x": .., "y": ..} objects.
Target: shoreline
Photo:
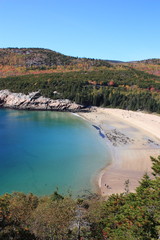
[
  {"x": 132, "y": 137},
  {"x": 35, "y": 101}
]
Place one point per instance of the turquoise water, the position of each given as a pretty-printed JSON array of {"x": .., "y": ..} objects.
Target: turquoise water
[{"x": 40, "y": 151}]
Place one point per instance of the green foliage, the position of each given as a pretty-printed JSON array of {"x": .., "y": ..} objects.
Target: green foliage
[
  {"x": 29, "y": 217},
  {"x": 15, "y": 211},
  {"x": 51, "y": 219},
  {"x": 131, "y": 216},
  {"x": 56, "y": 196},
  {"x": 156, "y": 166},
  {"x": 130, "y": 89}
]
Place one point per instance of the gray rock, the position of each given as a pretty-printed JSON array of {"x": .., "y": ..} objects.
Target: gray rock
[{"x": 35, "y": 101}]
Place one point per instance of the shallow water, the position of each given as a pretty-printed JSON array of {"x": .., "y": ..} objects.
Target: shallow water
[{"x": 40, "y": 151}]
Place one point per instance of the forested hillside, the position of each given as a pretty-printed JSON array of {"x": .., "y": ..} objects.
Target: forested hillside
[
  {"x": 18, "y": 61},
  {"x": 124, "y": 88},
  {"x": 151, "y": 66},
  {"x": 83, "y": 80},
  {"x": 130, "y": 216},
  {"x": 22, "y": 61}
]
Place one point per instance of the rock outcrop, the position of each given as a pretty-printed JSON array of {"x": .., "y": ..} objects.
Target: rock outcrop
[{"x": 34, "y": 101}]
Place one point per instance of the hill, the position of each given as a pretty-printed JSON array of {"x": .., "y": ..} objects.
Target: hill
[
  {"x": 22, "y": 61},
  {"x": 124, "y": 88},
  {"x": 154, "y": 61},
  {"x": 83, "y": 80},
  {"x": 18, "y": 61},
  {"x": 151, "y": 66}
]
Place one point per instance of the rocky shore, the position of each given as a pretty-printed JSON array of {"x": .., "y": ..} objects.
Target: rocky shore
[{"x": 34, "y": 101}]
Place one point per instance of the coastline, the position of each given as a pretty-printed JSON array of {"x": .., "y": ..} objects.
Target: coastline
[
  {"x": 132, "y": 138},
  {"x": 35, "y": 101}
]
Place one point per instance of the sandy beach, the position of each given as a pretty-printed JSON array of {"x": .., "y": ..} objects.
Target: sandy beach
[{"x": 132, "y": 137}]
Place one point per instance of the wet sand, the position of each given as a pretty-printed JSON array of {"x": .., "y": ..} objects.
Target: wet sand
[{"x": 132, "y": 137}]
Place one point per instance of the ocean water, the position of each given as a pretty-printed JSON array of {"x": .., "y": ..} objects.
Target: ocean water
[{"x": 41, "y": 151}]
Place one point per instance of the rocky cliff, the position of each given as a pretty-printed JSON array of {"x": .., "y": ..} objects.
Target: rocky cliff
[{"x": 34, "y": 101}]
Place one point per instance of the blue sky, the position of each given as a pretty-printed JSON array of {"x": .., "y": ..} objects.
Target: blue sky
[{"x": 109, "y": 29}]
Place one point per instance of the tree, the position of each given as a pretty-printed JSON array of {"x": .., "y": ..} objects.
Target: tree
[
  {"x": 156, "y": 166},
  {"x": 130, "y": 216},
  {"x": 51, "y": 219}
]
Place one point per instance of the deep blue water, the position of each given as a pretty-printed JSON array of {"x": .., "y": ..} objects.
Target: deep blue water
[{"x": 40, "y": 151}]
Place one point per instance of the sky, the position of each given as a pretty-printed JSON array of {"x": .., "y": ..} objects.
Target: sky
[{"x": 123, "y": 30}]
